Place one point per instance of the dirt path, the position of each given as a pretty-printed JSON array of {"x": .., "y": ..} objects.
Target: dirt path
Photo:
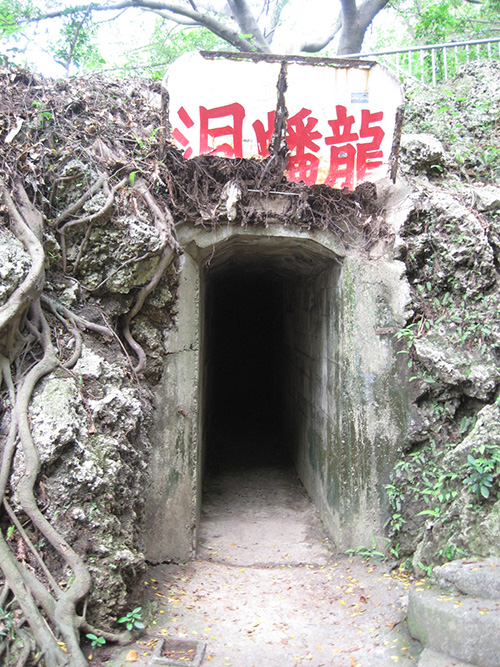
[{"x": 268, "y": 590}]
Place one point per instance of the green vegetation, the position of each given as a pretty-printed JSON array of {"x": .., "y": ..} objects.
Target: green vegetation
[
  {"x": 368, "y": 553},
  {"x": 7, "y": 624},
  {"x": 437, "y": 21},
  {"x": 95, "y": 640},
  {"x": 133, "y": 619},
  {"x": 480, "y": 477}
]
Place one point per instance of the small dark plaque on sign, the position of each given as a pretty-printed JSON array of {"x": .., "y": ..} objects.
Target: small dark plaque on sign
[{"x": 359, "y": 98}]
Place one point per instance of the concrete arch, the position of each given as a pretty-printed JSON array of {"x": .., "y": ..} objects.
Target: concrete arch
[{"x": 338, "y": 383}]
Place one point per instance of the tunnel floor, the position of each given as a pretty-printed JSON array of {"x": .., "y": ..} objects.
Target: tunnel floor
[
  {"x": 267, "y": 587},
  {"x": 257, "y": 513}
]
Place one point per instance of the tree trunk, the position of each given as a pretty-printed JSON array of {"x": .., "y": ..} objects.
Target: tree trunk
[{"x": 355, "y": 22}]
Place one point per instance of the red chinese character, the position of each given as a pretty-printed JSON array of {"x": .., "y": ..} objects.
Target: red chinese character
[
  {"x": 300, "y": 138},
  {"x": 342, "y": 153},
  {"x": 179, "y": 137},
  {"x": 234, "y": 131},
  {"x": 368, "y": 152},
  {"x": 264, "y": 135}
]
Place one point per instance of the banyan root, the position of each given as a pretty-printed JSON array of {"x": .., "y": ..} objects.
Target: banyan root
[
  {"x": 165, "y": 225},
  {"x": 51, "y": 611}
]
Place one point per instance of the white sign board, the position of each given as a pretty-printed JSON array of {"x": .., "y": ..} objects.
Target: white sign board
[{"x": 341, "y": 116}]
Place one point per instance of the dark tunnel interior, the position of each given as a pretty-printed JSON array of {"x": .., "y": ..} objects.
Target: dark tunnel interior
[{"x": 245, "y": 381}]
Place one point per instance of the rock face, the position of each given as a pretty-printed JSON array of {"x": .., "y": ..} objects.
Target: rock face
[
  {"x": 462, "y": 114},
  {"x": 14, "y": 264},
  {"x": 422, "y": 153},
  {"x": 86, "y": 427},
  {"x": 444, "y": 490}
]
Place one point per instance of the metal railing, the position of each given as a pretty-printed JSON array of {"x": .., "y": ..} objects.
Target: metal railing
[{"x": 433, "y": 63}]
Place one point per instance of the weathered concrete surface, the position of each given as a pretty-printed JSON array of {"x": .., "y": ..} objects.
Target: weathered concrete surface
[
  {"x": 462, "y": 626},
  {"x": 346, "y": 404},
  {"x": 479, "y": 578},
  {"x": 374, "y": 403},
  {"x": 430, "y": 658},
  {"x": 170, "y": 521}
]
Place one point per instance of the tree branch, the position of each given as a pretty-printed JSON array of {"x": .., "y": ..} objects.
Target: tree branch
[
  {"x": 17, "y": 304},
  {"x": 368, "y": 10},
  {"x": 355, "y": 21},
  {"x": 165, "y": 9},
  {"x": 248, "y": 24},
  {"x": 75, "y": 41},
  {"x": 53, "y": 653}
]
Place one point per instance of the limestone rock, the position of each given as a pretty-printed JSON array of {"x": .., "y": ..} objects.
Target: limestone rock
[
  {"x": 477, "y": 374},
  {"x": 494, "y": 236},
  {"x": 57, "y": 417},
  {"x": 86, "y": 428},
  {"x": 448, "y": 245},
  {"x": 461, "y": 113},
  {"x": 132, "y": 241},
  {"x": 14, "y": 264},
  {"x": 486, "y": 433},
  {"x": 422, "y": 153},
  {"x": 484, "y": 537},
  {"x": 487, "y": 197}
]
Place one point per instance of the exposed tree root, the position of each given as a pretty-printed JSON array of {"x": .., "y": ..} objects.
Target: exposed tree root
[
  {"x": 28, "y": 231},
  {"x": 51, "y": 609},
  {"x": 102, "y": 182},
  {"x": 165, "y": 225}
]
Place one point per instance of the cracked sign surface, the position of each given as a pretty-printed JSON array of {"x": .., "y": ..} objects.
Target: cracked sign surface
[{"x": 341, "y": 116}]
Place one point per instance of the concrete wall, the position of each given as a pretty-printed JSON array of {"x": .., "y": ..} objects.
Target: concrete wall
[
  {"x": 171, "y": 499},
  {"x": 346, "y": 398},
  {"x": 313, "y": 309},
  {"x": 375, "y": 407},
  {"x": 346, "y": 391}
]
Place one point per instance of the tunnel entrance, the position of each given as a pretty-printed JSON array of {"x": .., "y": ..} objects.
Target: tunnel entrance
[
  {"x": 266, "y": 331},
  {"x": 244, "y": 348},
  {"x": 280, "y": 351}
]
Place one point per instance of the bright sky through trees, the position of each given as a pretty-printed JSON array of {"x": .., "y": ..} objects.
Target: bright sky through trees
[{"x": 135, "y": 40}]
